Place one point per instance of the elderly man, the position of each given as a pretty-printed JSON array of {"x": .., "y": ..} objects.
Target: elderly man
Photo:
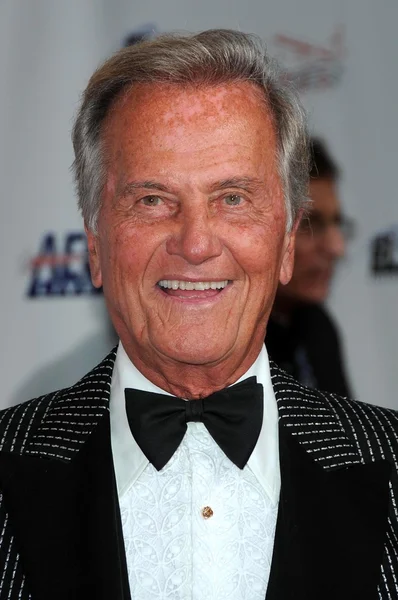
[{"x": 164, "y": 473}]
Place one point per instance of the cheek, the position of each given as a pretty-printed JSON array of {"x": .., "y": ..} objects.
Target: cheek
[
  {"x": 128, "y": 264},
  {"x": 118, "y": 254},
  {"x": 133, "y": 256},
  {"x": 258, "y": 253}
]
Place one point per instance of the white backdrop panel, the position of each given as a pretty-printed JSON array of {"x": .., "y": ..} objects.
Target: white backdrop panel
[{"x": 47, "y": 52}]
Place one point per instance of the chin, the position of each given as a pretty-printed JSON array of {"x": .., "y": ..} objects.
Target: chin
[{"x": 193, "y": 351}]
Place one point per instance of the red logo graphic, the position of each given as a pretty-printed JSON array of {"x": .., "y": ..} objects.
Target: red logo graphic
[{"x": 312, "y": 66}]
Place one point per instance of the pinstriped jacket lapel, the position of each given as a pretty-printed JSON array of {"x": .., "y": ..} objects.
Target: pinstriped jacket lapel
[
  {"x": 311, "y": 419},
  {"x": 56, "y": 425}
]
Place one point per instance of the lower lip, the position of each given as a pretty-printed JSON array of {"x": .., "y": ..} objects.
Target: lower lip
[{"x": 194, "y": 296}]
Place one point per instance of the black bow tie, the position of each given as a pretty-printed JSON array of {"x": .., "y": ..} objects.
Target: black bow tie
[{"x": 233, "y": 416}]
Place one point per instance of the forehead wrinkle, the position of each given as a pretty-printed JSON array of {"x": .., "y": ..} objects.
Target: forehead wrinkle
[
  {"x": 175, "y": 106},
  {"x": 206, "y": 102},
  {"x": 206, "y": 105}
]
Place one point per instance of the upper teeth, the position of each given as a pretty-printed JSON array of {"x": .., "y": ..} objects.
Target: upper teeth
[{"x": 174, "y": 284}]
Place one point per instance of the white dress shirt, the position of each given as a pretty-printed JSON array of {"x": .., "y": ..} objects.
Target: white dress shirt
[{"x": 173, "y": 551}]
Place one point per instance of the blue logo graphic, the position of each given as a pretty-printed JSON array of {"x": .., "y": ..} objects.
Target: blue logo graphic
[{"x": 61, "y": 267}]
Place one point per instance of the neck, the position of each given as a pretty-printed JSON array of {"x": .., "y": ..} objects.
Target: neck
[{"x": 193, "y": 381}]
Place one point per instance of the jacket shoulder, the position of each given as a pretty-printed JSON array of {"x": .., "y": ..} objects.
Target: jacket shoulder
[
  {"x": 62, "y": 415},
  {"x": 373, "y": 429},
  {"x": 19, "y": 422},
  {"x": 370, "y": 431}
]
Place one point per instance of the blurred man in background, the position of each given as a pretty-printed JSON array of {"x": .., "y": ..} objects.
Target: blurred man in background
[{"x": 301, "y": 336}]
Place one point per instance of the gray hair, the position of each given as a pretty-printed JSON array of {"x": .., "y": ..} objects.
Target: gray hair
[{"x": 209, "y": 58}]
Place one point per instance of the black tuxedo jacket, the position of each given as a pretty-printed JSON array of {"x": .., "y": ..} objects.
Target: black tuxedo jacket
[{"x": 60, "y": 530}]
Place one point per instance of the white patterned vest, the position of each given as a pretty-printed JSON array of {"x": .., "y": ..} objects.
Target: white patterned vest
[{"x": 173, "y": 551}]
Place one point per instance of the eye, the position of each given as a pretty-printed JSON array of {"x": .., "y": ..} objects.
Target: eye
[
  {"x": 151, "y": 200},
  {"x": 233, "y": 199}
]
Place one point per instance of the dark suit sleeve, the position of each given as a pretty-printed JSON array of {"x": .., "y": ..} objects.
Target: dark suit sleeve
[
  {"x": 324, "y": 349},
  {"x": 310, "y": 332}
]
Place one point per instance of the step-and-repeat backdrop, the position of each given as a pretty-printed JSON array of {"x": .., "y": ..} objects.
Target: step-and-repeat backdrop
[{"x": 343, "y": 56}]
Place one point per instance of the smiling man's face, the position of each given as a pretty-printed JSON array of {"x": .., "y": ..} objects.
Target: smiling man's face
[{"x": 192, "y": 235}]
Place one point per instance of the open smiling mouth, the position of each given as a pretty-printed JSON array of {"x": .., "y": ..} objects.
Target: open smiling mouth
[{"x": 192, "y": 289}]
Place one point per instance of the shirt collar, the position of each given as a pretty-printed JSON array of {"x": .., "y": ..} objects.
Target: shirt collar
[{"x": 129, "y": 460}]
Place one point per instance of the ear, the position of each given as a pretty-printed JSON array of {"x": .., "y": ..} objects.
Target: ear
[
  {"x": 287, "y": 265},
  {"x": 94, "y": 257}
]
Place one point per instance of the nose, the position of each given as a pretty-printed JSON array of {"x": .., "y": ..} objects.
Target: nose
[
  {"x": 195, "y": 239},
  {"x": 334, "y": 242}
]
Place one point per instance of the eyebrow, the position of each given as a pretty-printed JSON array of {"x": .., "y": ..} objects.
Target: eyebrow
[
  {"x": 148, "y": 185},
  {"x": 245, "y": 183}
]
